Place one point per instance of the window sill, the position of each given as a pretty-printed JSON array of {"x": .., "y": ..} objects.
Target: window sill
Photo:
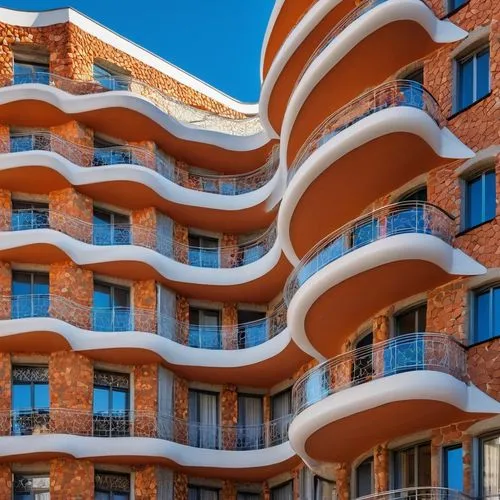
[
  {"x": 469, "y": 229},
  {"x": 456, "y": 113},
  {"x": 455, "y": 10}
]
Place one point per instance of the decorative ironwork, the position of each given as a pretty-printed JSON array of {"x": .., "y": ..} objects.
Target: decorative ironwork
[
  {"x": 398, "y": 218},
  {"x": 31, "y": 483},
  {"x": 30, "y": 374},
  {"x": 112, "y": 379},
  {"x": 229, "y": 185},
  {"x": 107, "y": 481},
  {"x": 413, "y": 352},
  {"x": 180, "y": 111},
  {"x": 388, "y": 95},
  {"x": 419, "y": 493},
  {"x": 145, "y": 424},
  {"x": 119, "y": 319}
]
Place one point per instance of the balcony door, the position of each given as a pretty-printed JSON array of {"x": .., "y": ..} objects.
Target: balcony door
[
  {"x": 412, "y": 466},
  {"x": 31, "y": 72},
  {"x": 251, "y": 434},
  {"x": 111, "y": 311},
  {"x": 364, "y": 478},
  {"x": 110, "y": 228},
  {"x": 362, "y": 367},
  {"x": 252, "y": 329},
  {"x": 203, "y": 410},
  {"x": 203, "y": 251},
  {"x": 281, "y": 408},
  {"x": 29, "y": 215},
  {"x": 204, "y": 328},
  {"x": 31, "y": 487},
  {"x": 30, "y": 294}
]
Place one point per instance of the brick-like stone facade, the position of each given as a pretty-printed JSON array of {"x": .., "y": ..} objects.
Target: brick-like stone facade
[{"x": 67, "y": 476}]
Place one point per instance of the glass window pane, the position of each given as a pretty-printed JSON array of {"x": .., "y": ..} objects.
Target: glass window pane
[
  {"x": 41, "y": 284},
  {"x": 101, "y": 400},
  {"x": 21, "y": 283},
  {"x": 482, "y": 317},
  {"x": 121, "y": 297},
  {"x": 364, "y": 479},
  {"x": 21, "y": 397},
  {"x": 483, "y": 73},
  {"x": 41, "y": 395},
  {"x": 453, "y": 467},
  {"x": 102, "y": 296},
  {"x": 491, "y": 467},
  {"x": 466, "y": 83},
  {"x": 405, "y": 465},
  {"x": 490, "y": 201},
  {"x": 424, "y": 465},
  {"x": 119, "y": 400},
  {"x": 475, "y": 202}
]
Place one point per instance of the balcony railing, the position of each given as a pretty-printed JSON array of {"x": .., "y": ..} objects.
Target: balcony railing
[
  {"x": 388, "y": 95},
  {"x": 180, "y": 111},
  {"x": 146, "y": 425},
  {"x": 398, "y": 218},
  {"x": 118, "y": 319},
  {"x": 83, "y": 156},
  {"x": 130, "y": 234},
  {"x": 418, "y": 493},
  {"x": 406, "y": 353}
]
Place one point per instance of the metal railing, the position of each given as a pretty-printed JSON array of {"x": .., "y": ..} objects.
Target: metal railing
[
  {"x": 102, "y": 234},
  {"x": 412, "y": 352},
  {"x": 118, "y": 319},
  {"x": 418, "y": 493},
  {"x": 144, "y": 424},
  {"x": 391, "y": 220},
  {"x": 84, "y": 156},
  {"x": 180, "y": 111},
  {"x": 393, "y": 94}
]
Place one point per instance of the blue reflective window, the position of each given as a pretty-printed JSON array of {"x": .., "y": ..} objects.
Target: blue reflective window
[
  {"x": 473, "y": 78},
  {"x": 110, "y": 228},
  {"x": 29, "y": 215},
  {"x": 486, "y": 314},
  {"x": 31, "y": 487},
  {"x": 111, "y": 311},
  {"x": 455, "y": 4},
  {"x": 204, "y": 328},
  {"x": 203, "y": 251},
  {"x": 25, "y": 72},
  {"x": 110, "y": 80},
  {"x": 453, "y": 468},
  {"x": 480, "y": 199},
  {"x": 30, "y": 295}
]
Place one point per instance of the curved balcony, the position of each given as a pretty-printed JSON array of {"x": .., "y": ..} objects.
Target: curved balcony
[
  {"x": 141, "y": 435},
  {"x": 404, "y": 249},
  {"x": 194, "y": 135},
  {"x": 419, "y": 493},
  {"x": 376, "y": 393},
  {"x": 138, "y": 252},
  {"x": 139, "y": 178},
  {"x": 259, "y": 349},
  {"x": 370, "y": 136},
  {"x": 407, "y": 29}
]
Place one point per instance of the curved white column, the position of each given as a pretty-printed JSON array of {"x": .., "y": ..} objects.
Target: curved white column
[
  {"x": 417, "y": 385},
  {"x": 401, "y": 247},
  {"x": 84, "y": 254},
  {"x": 163, "y": 187},
  {"x": 186, "y": 456},
  {"x": 389, "y": 12},
  {"x": 401, "y": 119}
]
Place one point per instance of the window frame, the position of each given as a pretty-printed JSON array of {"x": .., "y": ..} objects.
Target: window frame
[
  {"x": 406, "y": 310},
  {"x": 445, "y": 464},
  {"x": 284, "y": 484},
  {"x": 200, "y": 489},
  {"x": 396, "y": 476},
  {"x": 480, "y": 457},
  {"x": 472, "y": 312},
  {"x": 28, "y": 475},
  {"x": 465, "y": 199}
]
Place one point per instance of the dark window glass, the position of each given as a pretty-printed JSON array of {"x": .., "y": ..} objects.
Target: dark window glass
[
  {"x": 202, "y": 493},
  {"x": 203, "y": 251},
  {"x": 252, "y": 329},
  {"x": 281, "y": 407},
  {"x": 31, "y": 486},
  {"x": 282, "y": 492},
  {"x": 364, "y": 478},
  {"x": 111, "y": 486},
  {"x": 248, "y": 496},
  {"x": 413, "y": 466},
  {"x": 29, "y": 215},
  {"x": 362, "y": 368},
  {"x": 110, "y": 228},
  {"x": 111, "y": 311},
  {"x": 455, "y": 4},
  {"x": 30, "y": 295},
  {"x": 480, "y": 199},
  {"x": 419, "y": 194},
  {"x": 412, "y": 320},
  {"x": 453, "y": 468},
  {"x": 204, "y": 328},
  {"x": 416, "y": 76},
  {"x": 473, "y": 81}
]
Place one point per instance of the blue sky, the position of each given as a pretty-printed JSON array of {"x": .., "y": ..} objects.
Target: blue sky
[{"x": 219, "y": 41}]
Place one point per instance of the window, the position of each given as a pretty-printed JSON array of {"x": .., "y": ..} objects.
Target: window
[
  {"x": 29, "y": 215},
  {"x": 419, "y": 194},
  {"x": 283, "y": 491},
  {"x": 453, "y": 468},
  {"x": 413, "y": 466},
  {"x": 109, "y": 79},
  {"x": 490, "y": 467},
  {"x": 202, "y": 493},
  {"x": 203, "y": 409},
  {"x": 31, "y": 487},
  {"x": 250, "y": 417},
  {"x": 110, "y": 153},
  {"x": 204, "y": 328},
  {"x": 30, "y": 295},
  {"x": 111, "y": 311},
  {"x": 23, "y": 140},
  {"x": 26, "y": 72},
  {"x": 455, "y": 4},
  {"x": 362, "y": 368},
  {"x": 111, "y": 403},
  {"x": 110, "y": 228},
  {"x": 203, "y": 251},
  {"x": 252, "y": 328},
  {"x": 473, "y": 78},
  {"x": 243, "y": 495},
  {"x": 411, "y": 320},
  {"x": 485, "y": 317},
  {"x": 281, "y": 408},
  {"x": 111, "y": 486},
  {"x": 480, "y": 199},
  {"x": 30, "y": 399},
  {"x": 364, "y": 478},
  {"x": 416, "y": 76}
]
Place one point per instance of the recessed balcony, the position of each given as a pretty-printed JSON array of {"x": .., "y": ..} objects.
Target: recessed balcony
[
  {"x": 374, "y": 261},
  {"x": 372, "y": 146},
  {"x": 419, "y": 493},
  {"x": 408, "y": 30},
  {"x": 110, "y": 105},
  {"x": 380, "y": 392},
  {"x": 132, "y": 436},
  {"x": 135, "y": 177},
  {"x": 260, "y": 351}
]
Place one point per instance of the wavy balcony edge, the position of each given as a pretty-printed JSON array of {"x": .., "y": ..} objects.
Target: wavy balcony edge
[{"x": 419, "y": 493}]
